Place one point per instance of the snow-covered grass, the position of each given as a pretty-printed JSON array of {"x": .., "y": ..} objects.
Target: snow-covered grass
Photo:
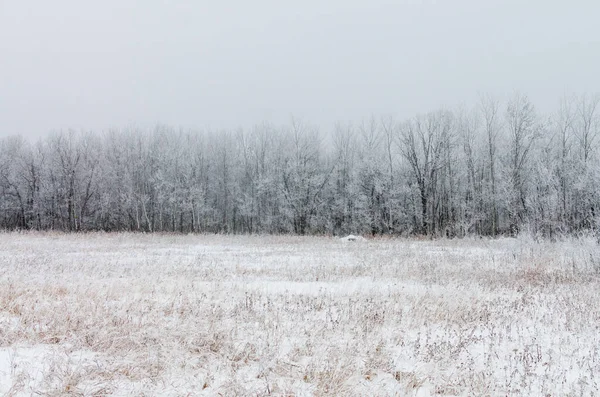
[{"x": 132, "y": 314}]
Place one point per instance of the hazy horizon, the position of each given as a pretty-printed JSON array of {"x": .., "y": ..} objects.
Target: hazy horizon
[{"x": 70, "y": 65}]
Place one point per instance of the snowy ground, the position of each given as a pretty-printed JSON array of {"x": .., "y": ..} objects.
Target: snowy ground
[{"x": 129, "y": 315}]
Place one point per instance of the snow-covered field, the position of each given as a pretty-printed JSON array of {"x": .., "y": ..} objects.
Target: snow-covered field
[{"x": 132, "y": 314}]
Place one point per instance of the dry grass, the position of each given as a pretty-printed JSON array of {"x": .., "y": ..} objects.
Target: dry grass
[{"x": 124, "y": 314}]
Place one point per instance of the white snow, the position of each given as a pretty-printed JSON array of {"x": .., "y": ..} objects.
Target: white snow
[
  {"x": 125, "y": 314},
  {"x": 352, "y": 237}
]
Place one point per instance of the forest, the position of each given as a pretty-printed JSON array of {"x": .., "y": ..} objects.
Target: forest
[{"x": 495, "y": 168}]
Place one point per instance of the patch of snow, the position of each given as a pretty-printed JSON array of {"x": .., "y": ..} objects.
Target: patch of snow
[
  {"x": 27, "y": 370},
  {"x": 22, "y": 368},
  {"x": 352, "y": 237}
]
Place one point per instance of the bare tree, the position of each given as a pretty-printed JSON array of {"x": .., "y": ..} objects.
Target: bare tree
[
  {"x": 469, "y": 124},
  {"x": 490, "y": 110},
  {"x": 390, "y": 132},
  {"x": 370, "y": 174},
  {"x": 344, "y": 196},
  {"x": 421, "y": 143},
  {"x": 303, "y": 179},
  {"x": 564, "y": 121},
  {"x": 588, "y": 123},
  {"x": 523, "y": 130}
]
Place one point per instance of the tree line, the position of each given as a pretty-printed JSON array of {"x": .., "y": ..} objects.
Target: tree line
[{"x": 495, "y": 168}]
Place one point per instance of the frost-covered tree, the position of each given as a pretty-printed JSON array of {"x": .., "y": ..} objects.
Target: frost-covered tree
[
  {"x": 496, "y": 168},
  {"x": 304, "y": 176},
  {"x": 423, "y": 143},
  {"x": 523, "y": 129}
]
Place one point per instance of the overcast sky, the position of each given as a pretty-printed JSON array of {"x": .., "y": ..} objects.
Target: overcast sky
[{"x": 223, "y": 64}]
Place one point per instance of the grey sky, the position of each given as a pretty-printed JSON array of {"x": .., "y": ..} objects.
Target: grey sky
[{"x": 222, "y": 64}]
